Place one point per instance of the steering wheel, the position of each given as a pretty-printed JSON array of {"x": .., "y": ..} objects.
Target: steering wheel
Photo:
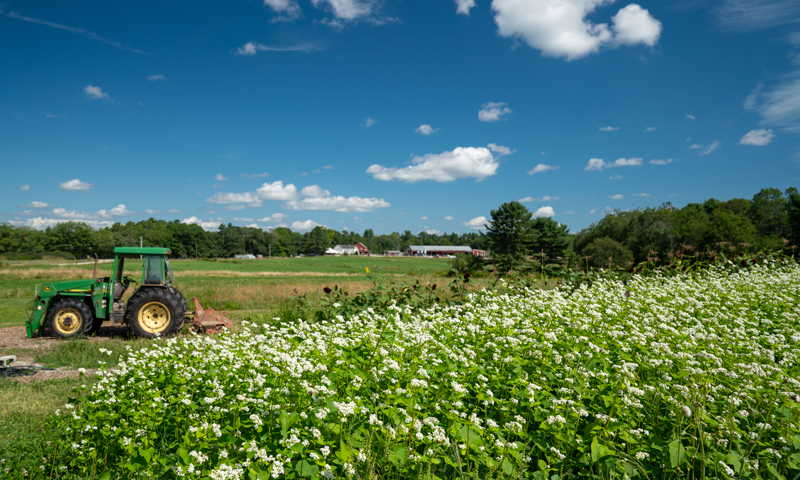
[{"x": 126, "y": 280}]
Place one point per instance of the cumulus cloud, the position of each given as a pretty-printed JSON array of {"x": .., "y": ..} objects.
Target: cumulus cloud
[
  {"x": 40, "y": 223},
  {"x": 95, "y": 93},
  {"x": 476, "y": 223},
  {"x": 314, "y": 191},
  {"x": 500, "y": 150},
  {"x": 209, "y": 226},
  {"x": 609, "y": 129},
  {"x": 25, "y": 187},
  {"x": 616, "y": 197},
  {"x": 625, "y": 162},
  {"x": 463, "y": 6},
  {"x": 595, "y": 164},
  {"x": 642, "y": 195},
  {"x": 338, "y": 203},
  {"x": 660, "y": 161},
  {"x": 541, "y": 168},
  {"x": 75, "y": 186},
  {"x": 757, "y": 138},
  {"x": 288, "y": 10},
  {"x": 348, "y": 10},
  {"x": 711, "y": 148},
  {"x": 155, "y": 78},
  {"x": 36, "y": 205},
  {"x": 448, "y": 218},
  {"x": 369, "y": 122},
  {"x": 425, "y": 129},
  {"x": 275, "y": 217},
  {"x": 423, "y": 218},
  {"x": 546, "y": 198},
  {"x": 267, "y": 191},
  {"x": 560, "y": 28},
  {"x": 592, "y": 211},
  {"x": 493, "y": 111},
  {"x": 545, "y": 212},
  {"x": 119, "y": 211},
  {"x": 305, "y": 225},
  {"x": 220, "y": 177},
  {"x": 462, "y": 162}
]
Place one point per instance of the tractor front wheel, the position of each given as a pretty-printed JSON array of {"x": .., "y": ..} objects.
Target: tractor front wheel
[
  {"x": 69, "y": 317},
  {"x": 154, "y": 311}
]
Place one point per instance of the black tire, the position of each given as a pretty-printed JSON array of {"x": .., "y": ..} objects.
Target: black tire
[
  {"x": 69, "y": 317},
  {"x": 183, "y": 303},
  {"x": 154, "y": 310},
  {"x": 96, "y": 324}
]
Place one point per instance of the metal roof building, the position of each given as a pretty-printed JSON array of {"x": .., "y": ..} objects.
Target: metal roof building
[{"x": 438, "y": 250}]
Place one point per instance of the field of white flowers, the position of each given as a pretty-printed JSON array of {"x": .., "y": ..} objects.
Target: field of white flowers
[{"x": 691, "y": 376}]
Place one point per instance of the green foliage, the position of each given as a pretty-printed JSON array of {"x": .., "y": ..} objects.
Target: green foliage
[
  {"x": 606, "y": 252},
  {"x": 509, "y": 236},
  {"x": 472, "y": 264}
]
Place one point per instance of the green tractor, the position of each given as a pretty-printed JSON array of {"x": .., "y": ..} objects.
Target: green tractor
[{"x": 77, "y": 307}]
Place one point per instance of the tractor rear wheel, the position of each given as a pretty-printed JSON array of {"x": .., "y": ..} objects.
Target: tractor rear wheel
[
  {"x": 154, "y": 311},
  {"x": 96, "y": 324},
  {"x": 69, "y": 317},
  {"x": 184, "y": 305}
]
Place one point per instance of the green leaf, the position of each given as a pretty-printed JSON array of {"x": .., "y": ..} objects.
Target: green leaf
[
  {"x": 677, "y": 453},
  {"x": 147, "y": 453},
  {"x": 470, "y": 435},
  {"x": 600, "y": 451},
  {"x": 344, "y": 452},
  {"x": 542, "y": 465},
  {"x": 287, "y": 420},
  {"x": 398, "y": 456},
  {"x": 305, "y": 469},
  {"x": 184, "y": 454},
  {"x": 508, "y": 467},
  {"x": 735, "y": 460},
  {"x": 105, "y": 475}
]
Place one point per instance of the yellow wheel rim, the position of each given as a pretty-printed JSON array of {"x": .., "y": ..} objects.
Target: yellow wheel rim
[
  {"x": 154, "y": 317},
  {"x": 68, "y": 321}
]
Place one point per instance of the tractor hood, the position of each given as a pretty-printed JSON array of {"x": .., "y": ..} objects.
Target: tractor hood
[{"x": 72, "y": 286}]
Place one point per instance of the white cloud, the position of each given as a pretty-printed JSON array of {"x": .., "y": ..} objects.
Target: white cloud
[
  {"x": 349, "y": 10},
  {"x": 40, "y": 223},
  {"x": 545, "y": 212},
  {"x": 369, "y": 122},
  {"x": 234, "y": 208},
  {"x": 751, "y": 100},
  {"x": 463, "y": 6},
  {"x": 425, "y": 129},
  {"x": 155, "y": 78},
  {"x": 541, "y": 168},
  {"x": 546, "y": 198},
  {"x": 476, "y": 223},
  {"x": 625, "y": 162},
  {"x": 150, "y": 211},
  {"x": 500, "y": 150},
  {"x": 275, "y": 217},
  {"x": 315, "y": 191},
  {"x": 649, "y": 129},
  {"x": 642, "y": 195},
  {"x": 751, "y": 15},
  {"x": 695, "y": 146},
  {"x": 35, "y": 204},
  {"x": 251, "y": 48},
  {"x": 289, "y": 9},
  {"x": 117, "y": 211},
  {"x": 95, "y": 93},
  {"x": 338, "y": 204},
  {"x": 634, "y": 24},
  {"x": 448, "y": 218},
  {"x": 758, "y": 138},
  {"x": 25, "y": 187},
  {"x": 560, "y": 28},
  {"x": 595, "y": 164},
  {"x": 75, "y": 185},
  {"x": 493, "y": 111},
  {"x": 462, "y": 162},
  {"x": 616, "y": 197},
  {"x": 276, "y": 191},
  {"x": 609, "y": 129},
  {"x": 306, "y": 225},
  {"x": 120, "y": 211},
  {"x": 267, "y": 191},
  {"x": 592, "y": 211},
  {"x": 690, "y": 116},
  {"x": 660, "y": 161},
  {"x": 423, "y": 218},
  {"x": 210, "y": 225},
  {"x": 254, "y": 175},
  {"x": 711, "y": 148},
  {"x": 615, "y": 177},
  {"x": 779, "y": 106},
  {"x": 250, "y": 199},
  {"x": 327, "y": 167},
  {"x": 220, "y": 177}
]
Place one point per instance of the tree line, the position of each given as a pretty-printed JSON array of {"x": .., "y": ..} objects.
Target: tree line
[
  {"x": 77, "y": 239},
  {"x": 517, "y": 241}
]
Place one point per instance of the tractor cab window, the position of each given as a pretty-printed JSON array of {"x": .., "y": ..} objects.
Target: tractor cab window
[
  {"x": 153, "y": 269},
  {"x": 169, "y": 271}
]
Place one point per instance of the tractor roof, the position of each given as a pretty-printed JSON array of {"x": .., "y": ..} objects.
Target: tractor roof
[{"x": 141, "y": 251}]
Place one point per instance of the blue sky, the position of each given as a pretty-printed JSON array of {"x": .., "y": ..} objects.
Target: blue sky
[{"x": 391, "y": 115}]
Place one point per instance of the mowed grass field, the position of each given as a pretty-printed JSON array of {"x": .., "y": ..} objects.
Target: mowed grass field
[{"x": 240, "y": 287}]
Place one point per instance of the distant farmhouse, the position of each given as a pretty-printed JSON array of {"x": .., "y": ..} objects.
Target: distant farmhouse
[
  {"x": 439, "y": 250},
  {"x": 357, "y": 249}
]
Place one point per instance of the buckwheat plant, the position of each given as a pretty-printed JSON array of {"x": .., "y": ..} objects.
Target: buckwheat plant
[{"x": 688, "y": 376}]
